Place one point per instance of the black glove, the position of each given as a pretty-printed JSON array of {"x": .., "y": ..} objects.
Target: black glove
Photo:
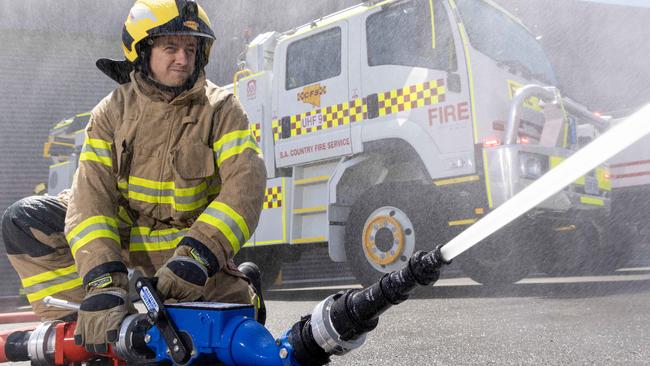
[
  {"x": 101, "y": 313},
  {"x": 184, "y": 275}
]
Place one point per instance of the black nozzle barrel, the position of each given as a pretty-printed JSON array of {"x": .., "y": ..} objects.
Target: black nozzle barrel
[
  {"x": 16, "y": 346},
  {"x": 356, "y": 312}
]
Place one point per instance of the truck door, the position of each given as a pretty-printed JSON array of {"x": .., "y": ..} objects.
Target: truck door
[
  {"x": 411, "y": 70},
  {"x": 312, "y": 112},
  {"x": 504, "y": 56}
]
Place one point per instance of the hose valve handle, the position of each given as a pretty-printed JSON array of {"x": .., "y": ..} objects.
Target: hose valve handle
[
  {"x": 58, "y": 303},
  {"x": 179, "y": 348}
]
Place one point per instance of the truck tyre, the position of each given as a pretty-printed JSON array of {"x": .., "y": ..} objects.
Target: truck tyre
[
  {"x": 386, "y": 226},
  {"x": 585, "y": 250},
  {"x": 501, "y": 259},
  {"x": 621, "y": 239}
]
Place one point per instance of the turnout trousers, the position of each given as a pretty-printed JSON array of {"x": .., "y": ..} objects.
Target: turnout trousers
[{"x": 32, "y": 230}]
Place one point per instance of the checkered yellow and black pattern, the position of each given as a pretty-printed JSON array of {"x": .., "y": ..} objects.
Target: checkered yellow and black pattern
[
  {"x": 393, "y": 101},
  {"x": 256, "y": 130},
  {"x": 273, "y": 197},
  {"x": 332, "y": 116},
  {"x": 411, "y": 97},
  {"x": 275, "y": 125}
]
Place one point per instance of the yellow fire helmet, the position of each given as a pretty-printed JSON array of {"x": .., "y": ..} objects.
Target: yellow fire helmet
[{"x": 151, "y": 18}]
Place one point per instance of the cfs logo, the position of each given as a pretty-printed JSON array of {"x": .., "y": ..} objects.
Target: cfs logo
[
  {"x": 311, "y": 94},
  {"x": 251, "y": 89}
]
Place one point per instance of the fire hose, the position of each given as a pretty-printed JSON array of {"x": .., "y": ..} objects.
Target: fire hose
[{"x": 227, "y": 334}]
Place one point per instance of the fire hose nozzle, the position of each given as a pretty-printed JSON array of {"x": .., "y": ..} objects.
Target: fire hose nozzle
[{"x": 340, "y": 323}]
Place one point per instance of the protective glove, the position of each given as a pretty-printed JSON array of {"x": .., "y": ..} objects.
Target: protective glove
[
  {"x": 101, "y": 313},
  {"x": 184, "y": 275}
]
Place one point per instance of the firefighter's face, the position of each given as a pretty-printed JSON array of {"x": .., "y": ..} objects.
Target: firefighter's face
[{"x": 172, "y": 59}]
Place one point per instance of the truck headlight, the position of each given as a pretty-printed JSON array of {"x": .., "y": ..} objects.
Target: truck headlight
[{"x": 532, "y": 166}]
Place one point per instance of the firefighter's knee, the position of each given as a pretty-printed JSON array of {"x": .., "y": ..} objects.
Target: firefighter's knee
[{"x": 25, "y": 215}]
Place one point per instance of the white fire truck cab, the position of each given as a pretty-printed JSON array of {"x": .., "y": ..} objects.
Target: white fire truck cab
[{"x": 391, "y": 126}]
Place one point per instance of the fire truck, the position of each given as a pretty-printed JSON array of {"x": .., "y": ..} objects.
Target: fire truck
[
  {"x": 391, "y": 126},
  {"x": 629, "y": 170}
]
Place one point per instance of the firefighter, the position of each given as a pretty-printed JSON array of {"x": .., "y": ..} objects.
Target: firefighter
[{"x": 169, "y": 182}]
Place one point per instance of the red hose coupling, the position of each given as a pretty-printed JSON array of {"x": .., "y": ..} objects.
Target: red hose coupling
[{"x": 66, "y": 352}]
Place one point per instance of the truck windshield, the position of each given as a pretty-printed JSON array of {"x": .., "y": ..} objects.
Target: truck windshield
[
  {"x": 404, "y": 34},
  {"x": 501, "y": 38}
]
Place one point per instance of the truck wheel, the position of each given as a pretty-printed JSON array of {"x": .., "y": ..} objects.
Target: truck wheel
[
  {"x": 501, "y": 259},
  {"x": 383, "y": 227},
  {"x": 621, "y": 240},
  {"x": 584, "y": 250}
]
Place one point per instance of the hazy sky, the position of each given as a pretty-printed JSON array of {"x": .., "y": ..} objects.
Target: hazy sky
[{"x": 640, "y": 3}]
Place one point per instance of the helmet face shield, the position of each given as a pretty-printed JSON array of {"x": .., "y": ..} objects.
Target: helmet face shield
[{"x": 153, "y": 18}]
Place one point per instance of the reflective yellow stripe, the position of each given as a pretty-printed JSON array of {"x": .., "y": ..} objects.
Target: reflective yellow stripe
[
  {"x": 223, "y": 228},
  {"x": 238, "y": 150},
  {"x": 433, "y": 25},
  {"x": 318, "y": 239},
  {"x": 444, "y": 182},
  {"x": 91, "y": 156},
  {"x": 233, "y": 215},
  {"x": 312, "y": 180},
  {"x": 91, "y": 149},
  {"x": 46, "y": 276},
  {"x": 268, "y": 242},
  {"x": 98, "y": 144},
  {"x": 461, "y": 222},
  {"x": 230, "y": 136},
  {"x": 60, "y": 164},
  {"x": 90, "y": 221},
  {"x": 143, "y": 239},
  {"x": 592, "y": 201},
  {"x": 231, "y": 224},
  {"x": 192, "y": 191},
  {"x": 168, "y": 200},
  {"x": 77, "y": 282},
  {"x": 150, "y": 183},
  {"x": 151, "y": 199},
  {"x": 171, "y": 186},
  {"x": 156, "y": 192},
  {"x": 108, "y": 234},
  {"x": 309, "y": 210}
]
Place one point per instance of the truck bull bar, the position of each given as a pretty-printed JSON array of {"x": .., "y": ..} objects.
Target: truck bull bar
[{"x": 550, "y": 95}]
